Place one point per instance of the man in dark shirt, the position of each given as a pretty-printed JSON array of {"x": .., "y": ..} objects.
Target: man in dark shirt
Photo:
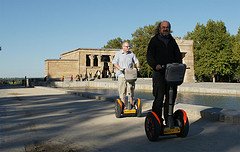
[{"x": 162, "y": 49}]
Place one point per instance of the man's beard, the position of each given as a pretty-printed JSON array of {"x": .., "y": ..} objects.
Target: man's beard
[{"x": 165, "y": 33}]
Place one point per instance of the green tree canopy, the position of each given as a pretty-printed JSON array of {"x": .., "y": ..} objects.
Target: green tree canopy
[
  {"x": 114, "y": 43},
  {"x": 216, "y": 52},
  {"x": 141, "y": 38},
  {"x": 212, "y": 50},
  {"x": 236, "y": 55},
  {"x": 139, "y": 44}
]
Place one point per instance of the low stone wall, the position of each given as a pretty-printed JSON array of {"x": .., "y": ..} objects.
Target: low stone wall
[
  {"x": 145, "y": 84},
  {"x": 85, "y": 84},
  {"x": 97, "y": 84}
]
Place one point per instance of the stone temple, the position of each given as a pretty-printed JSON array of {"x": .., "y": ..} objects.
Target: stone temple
[{"x": 87, "y": 62}]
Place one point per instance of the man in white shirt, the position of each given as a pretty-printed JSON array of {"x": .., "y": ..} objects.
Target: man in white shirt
[{"x": 125, "y": 59}]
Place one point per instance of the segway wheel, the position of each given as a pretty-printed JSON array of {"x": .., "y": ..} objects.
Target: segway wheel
[
  {"x": 138, "y": 104},
  {"x": 118, "y": 108},
  {"x": 181, "y": 120},
  {"x": 152, "y": 126}
]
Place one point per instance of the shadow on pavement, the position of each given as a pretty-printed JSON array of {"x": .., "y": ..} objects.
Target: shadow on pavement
[{"x": 53, "y": 122}]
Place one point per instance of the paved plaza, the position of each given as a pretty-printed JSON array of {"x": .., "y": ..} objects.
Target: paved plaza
[{"x": 47, "y": 119}]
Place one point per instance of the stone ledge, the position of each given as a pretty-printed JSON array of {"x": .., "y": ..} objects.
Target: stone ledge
[
  {"x": 222, "y": 115},
  {"x": 145, "y": 84},
  {"x": 230, "y": 116}
]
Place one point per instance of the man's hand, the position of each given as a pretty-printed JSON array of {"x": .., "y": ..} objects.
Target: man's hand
[
  {"x": 122, "y": 70},
  {"x": 158, "y": 67}
]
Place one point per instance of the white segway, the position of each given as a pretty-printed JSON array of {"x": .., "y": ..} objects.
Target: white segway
[
  {"x": 178, "y": 121},
  {"x": 127, "y": 110}
]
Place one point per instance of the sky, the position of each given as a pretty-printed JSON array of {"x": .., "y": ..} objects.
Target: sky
[{"x": 32, "y": 31}]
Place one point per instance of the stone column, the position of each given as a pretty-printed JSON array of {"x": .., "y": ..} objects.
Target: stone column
[
  {"x": 99, "y": 61},
  {"x": 110, "y": 63},
  {"x": 91, "y": 60}
]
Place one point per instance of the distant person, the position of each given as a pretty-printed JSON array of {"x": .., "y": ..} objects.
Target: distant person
[
  {"x": 45, "y": 78},
  {"x": 25, "y": 81},
  {"x": 71, "y": 78},
  {"x": 90, "y": 75},
  {"x": 113, "y": 75},
  {"x": 125, "y": 59},
  {"x": 108, "y": 73},
  {"x": 98, "y": 74},
  {"x": 86, "y": 76},
  {"x": 62, "y": 79},
  {"x": 77, "y": 77},
  {"x": 162, "y": 49},
  {"x": 81, "y": 77}
]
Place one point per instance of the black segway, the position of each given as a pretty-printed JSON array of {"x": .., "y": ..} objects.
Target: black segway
[
  {"x": 177, "y": 123},
  {"x": 127, "y": 110}
]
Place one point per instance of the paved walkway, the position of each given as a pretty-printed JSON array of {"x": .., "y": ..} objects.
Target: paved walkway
[{"x": 47, "y": 119}]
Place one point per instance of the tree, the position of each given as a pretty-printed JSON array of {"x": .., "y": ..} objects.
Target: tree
[
  {"x": 216, "y": 52},
  {"x": 140, "y": 40},
  {"x": 236, "y": 55},
  {"x": 139, "y": 44},
  {"x": 212, "y": 50},
  {"x": 114, "y": 43}
]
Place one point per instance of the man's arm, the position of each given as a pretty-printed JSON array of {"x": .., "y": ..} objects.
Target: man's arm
[
  {"x": 150, "y": 55},
  {"x": 136, "y": 62},
  {"x": 117, "y": 66},
  {"x": 116, "y": 61}
]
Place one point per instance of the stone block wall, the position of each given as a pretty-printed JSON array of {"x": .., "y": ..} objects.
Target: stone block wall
[
  {"x": 59, "y": 68},
  {"x": 187, "y": 47},
  {"x": 74, "y": 62}
]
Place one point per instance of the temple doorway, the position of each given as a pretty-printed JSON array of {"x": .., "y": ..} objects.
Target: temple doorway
[{"x": 105, "y": 71}]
